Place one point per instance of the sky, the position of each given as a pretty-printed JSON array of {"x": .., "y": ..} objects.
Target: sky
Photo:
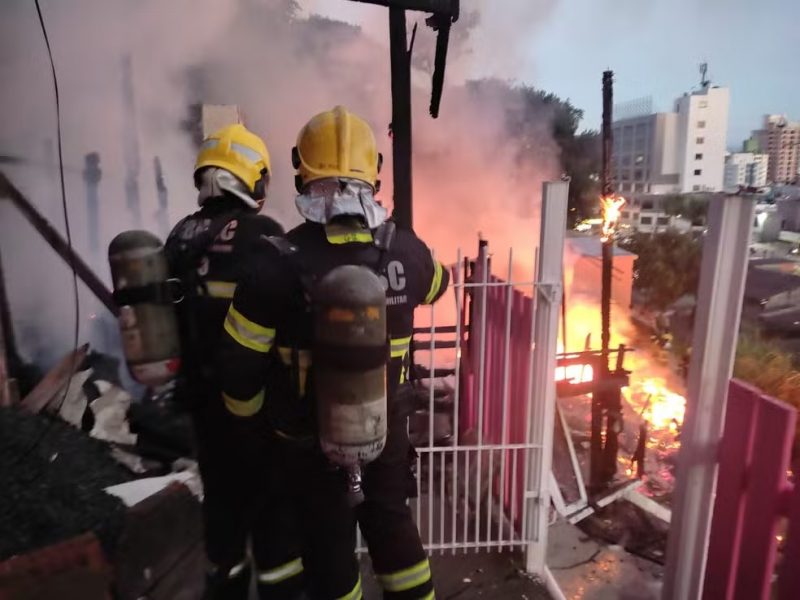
[{"x": 653, "y": 46}]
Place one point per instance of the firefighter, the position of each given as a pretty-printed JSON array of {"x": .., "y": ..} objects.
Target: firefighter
[
  {"x": 209, "y": 252},
  {"x": 270, "y": 323}
]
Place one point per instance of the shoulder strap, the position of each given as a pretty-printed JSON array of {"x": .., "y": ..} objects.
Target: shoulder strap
[
  {"x": 382, "y": 240},
  {"x": 291, "y": 252}
]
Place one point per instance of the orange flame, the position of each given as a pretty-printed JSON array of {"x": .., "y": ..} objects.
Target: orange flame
[{"x": 611, "y": 207}]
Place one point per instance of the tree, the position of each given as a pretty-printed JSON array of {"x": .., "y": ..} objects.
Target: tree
[
  {"x": 580, "y": 153},
  {"x": 667, "y": 266}
]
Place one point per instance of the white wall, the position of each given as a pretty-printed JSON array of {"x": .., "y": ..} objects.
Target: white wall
[{"x": 703, "y": 130}]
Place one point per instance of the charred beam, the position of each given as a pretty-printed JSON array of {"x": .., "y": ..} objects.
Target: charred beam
[
  {"x": 401, "y": 118},
  {"x": 57, "y": 243},
  {"x": 434, "y": 6}
]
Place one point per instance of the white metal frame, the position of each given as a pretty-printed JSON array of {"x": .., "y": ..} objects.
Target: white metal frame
[
  {"x": 716, "y": 327},
  {"x": 455, "y": 507}
]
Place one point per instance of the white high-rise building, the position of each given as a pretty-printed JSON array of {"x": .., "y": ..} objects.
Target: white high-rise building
[
  {"x": 675, "y": 152},
  {"x": 745, "y": 169}
]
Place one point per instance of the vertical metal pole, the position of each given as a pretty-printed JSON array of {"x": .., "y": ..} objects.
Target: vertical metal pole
[
  {"x": 719, "y": 305},
  {"x": 91, "y": 177},
  {"x": 549, "y": 280},
  {"x": 401, "y": 118}
]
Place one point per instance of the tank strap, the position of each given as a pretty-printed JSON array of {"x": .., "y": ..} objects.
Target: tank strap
[{"x": 164, "y": 292}]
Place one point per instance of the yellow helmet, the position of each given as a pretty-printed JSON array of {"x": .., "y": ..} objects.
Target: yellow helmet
[
  {"x": 242, "y": 153},
  {"x": 336, "y": 143}
]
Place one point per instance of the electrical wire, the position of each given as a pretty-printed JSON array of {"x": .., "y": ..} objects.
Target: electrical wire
[{"x": 68, "y": 231}]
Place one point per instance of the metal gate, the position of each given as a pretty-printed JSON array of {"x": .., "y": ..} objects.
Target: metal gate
[{"x": 483, "y": 369}]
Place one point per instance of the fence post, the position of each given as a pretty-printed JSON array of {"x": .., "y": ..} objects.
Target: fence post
[
  {"x": 719, "y": 304},
  {"x": 542, "y": 380}
]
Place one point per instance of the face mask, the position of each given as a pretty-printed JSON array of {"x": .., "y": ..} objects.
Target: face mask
[
  {"x": 326, "y": 199},
  {"x": 215, "y": 181}
]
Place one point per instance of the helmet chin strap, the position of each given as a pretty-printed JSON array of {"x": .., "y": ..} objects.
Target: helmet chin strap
[{"x": 214, "y": 181}]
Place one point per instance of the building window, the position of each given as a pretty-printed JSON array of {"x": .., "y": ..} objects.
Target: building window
[
  {"x": 639, "y": 187},
  {"x": 698, "y": 171},
  {"x": 703, "y": 104},
  {"x": 626, "y": 214},
  {"x": 700, "y": 140},
  {"x": 647, "y": 205},
  {"x": 647, "y": 220},
  {"x": 695, "y": 188},
  {"x": 638, "y": 175},
  {"x": 698, "y": 156},
  {"x": 662, "y": 221},
  {"x": 701, "y": 124}
]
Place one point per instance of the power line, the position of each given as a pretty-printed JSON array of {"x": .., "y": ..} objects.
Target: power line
[{"x": 67, "y": 228}]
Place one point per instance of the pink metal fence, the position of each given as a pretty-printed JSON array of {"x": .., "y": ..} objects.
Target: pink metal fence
[
  {"x": 753, "y": 497},
  {"x": 503, "y": 416}
]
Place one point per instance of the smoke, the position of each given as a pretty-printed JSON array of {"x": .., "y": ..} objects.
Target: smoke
[{"x": 471, "y": 172}]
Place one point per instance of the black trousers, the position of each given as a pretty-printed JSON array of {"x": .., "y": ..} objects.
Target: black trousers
[
  {"x": 398, "y": 558},
  {"x": 246, "y": 501}
]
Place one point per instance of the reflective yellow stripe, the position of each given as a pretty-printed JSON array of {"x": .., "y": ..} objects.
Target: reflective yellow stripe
[
  {"x": 247, "y": 333},
  {"x": 431, "y": 596},
  {"x": 354, "y": 594},
  {"x": 399, "y": 346},
  {"x": 438, "y": 269},
  {"x": 364, "y": 237},
  {"x": 221, "y": 289},
  {"x": 406, "y": 579},
  {"x": 282, "y": 573},
  {"x": 244, "y": 408}
]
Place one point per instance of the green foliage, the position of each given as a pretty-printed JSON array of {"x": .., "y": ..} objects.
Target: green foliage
[
  {"x": 693, "y": 208},
  {"x": 667, "y": 267},
  {"x": 764, "y": 364}
]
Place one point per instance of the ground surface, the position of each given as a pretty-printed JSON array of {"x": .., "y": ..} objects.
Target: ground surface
[
  {"x": 471, "y": 576},
  {"x": 586, "y": 569}
]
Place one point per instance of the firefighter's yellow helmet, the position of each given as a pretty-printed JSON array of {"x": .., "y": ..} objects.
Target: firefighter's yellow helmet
[
  {"x": 242, "y": 153},
  {"x": 336, "y": 143}
]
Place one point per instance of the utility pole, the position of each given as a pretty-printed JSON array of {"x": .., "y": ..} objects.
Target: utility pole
[
  {"x": 130, "y": 144},
  {"x": 445, "y": 13}
]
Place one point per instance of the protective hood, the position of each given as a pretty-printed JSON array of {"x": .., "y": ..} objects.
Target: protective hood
[
  {"x": 213, "y": 182},
  {"x": 326, "y": 199}
]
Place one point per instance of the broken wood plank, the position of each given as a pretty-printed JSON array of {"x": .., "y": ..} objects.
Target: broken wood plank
[
  {"x": 53, "y": 383},
  {"x": 158, "y": 533}
]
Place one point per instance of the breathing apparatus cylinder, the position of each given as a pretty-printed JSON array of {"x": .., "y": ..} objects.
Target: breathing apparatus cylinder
[
  {"x": 146, "y": 295},
  {"x": 349, "y": 369}
]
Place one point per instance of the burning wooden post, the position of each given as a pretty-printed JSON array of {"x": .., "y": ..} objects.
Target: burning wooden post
[
  {"x": 162, "y": 215},
  {"x": 91, "y": 177},
  {"x": 130, "y": 145},
  {"x": 445, "y": 12}
]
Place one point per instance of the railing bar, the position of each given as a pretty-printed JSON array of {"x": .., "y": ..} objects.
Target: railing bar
[
  {"x": 481, "y": 390},
  {"x": 457, "y": 395},
  {"x": 519, "y": 446},
  {"x": 441, "y": 498},
  {"x": 431, "y": 386},
  {"x": 465, "y": 516},
  {"x": 529, "y": 403},
  {"x": 506, "y": 394}
]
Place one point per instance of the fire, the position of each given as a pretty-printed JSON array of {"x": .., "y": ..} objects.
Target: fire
[
  {"x": 611, "y": 207},
  {"x": 654, "y": 392},
  {"x": 661, "y": 407}
]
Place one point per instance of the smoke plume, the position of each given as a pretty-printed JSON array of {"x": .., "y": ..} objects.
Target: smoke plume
[{"x": 280, "y": 66}]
